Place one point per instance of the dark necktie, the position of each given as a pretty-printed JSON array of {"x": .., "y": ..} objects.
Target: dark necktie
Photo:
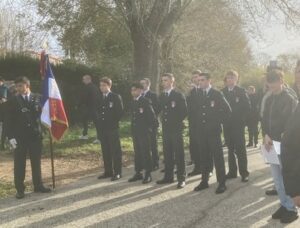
[{"x": 204, "y": 93}]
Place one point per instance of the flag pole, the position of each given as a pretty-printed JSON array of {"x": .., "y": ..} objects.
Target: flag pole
[{"x": 52, "y": 159}]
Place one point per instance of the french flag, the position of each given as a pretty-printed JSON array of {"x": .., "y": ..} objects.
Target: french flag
[{"x": 53, "y": 112}]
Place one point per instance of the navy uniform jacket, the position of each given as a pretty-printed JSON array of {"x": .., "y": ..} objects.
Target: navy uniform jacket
[
  {"x": 212, "y": 111},
  {"x": 192, "y": 100},
  {"x": 174, "y": 111},
  {"x": 153, "y": 98},
  {"x": 143, "y": 117},
  {"x": 23, "y": 119},
  {"x": 239, "y": 103},
  {"x": 109, "y": 111}
]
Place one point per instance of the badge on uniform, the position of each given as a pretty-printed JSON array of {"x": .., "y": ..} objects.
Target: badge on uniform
[
  {"x": 173, "y": 104},
  {"x": 237, "y": 99},
  {"x": 111, "y": 104},
  {"x": 141, "y": 110},
  {"x": 212, "y": 104}
]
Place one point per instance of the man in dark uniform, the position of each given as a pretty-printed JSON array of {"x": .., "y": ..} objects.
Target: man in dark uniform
[
  {"x": 142, "y": 121},
  {"x": 213, "y": 110},
  {"x": 25, "y": 136},
  {"x": 253, "y": 117},
  {"x": 87, "y": 104},
  {"x": 3, "y": 100},
  {"x": 234, "y": 130},
  {"x": 153, "y": 98},
  {"x": 192, "y": 100},
  {"x": 109, "y": 113},
  {"x": 174, "y": 111}
]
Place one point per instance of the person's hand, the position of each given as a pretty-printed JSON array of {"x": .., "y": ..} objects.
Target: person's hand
[
  {"x": 13, "y": 143},
  {"x": 297, "y": 201},
  {"x": 268, "y": 142}
]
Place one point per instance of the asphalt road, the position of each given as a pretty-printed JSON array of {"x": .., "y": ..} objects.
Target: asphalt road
[{"x": 93, "y": 203}]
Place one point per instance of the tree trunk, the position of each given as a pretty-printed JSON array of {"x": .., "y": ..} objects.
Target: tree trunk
[{"x": 146, "y": 59}]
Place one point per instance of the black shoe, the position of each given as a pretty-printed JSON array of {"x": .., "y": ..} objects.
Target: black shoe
[
  {"x": 136, "y": 177},
  {"x": 279, "y": 213},
  {"x": 180, "y": 184},
  {"x": 231, "y": 176},
  {"x": 289, "y": 216},
  {"x": 271, "y": 192},
  {"x": 221, "y": 189},
  {"x": 249, "y": 145},
  {"x": 147, "y": 179},
  {"x": 194, "y": 173},
  {"x": 162, "y": 171},
  {"x": 201, "y": 186},
  {"x": 104, "y": 176},
  {"x": 116, "y": 177},
  {"x": 20, "y": 195},
  {"x": 155, "y": 167},
  {"x": 42, "y": 189},
  {"x": 245, "y": 179},
  {"x": 165, "y": 181}
]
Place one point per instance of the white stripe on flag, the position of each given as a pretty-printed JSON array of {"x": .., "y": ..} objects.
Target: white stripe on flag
[
  {"x": 53, "y": 89},
  {"x": 45, "y": 116}
]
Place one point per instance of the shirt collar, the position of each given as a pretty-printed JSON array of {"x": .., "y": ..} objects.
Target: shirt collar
[
  {"x": 27, "y": 95},
  {"x": 106, "y": 94},
  {"x": 208, "y": 89},
  {"x": 136, "y": 99},
  {"x": 168, "y": 91}
]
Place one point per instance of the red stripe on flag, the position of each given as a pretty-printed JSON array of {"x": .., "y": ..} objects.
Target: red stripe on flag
[{"x": 59, "y": 121}]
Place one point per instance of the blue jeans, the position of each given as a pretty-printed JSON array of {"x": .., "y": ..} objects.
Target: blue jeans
[{"x": 285, "y": 200}]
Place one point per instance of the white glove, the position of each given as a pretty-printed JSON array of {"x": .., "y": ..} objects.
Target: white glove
[{"x": 13, "y": 143}]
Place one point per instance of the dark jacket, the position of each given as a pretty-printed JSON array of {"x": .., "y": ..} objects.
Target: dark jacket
[
  {"x": 109, "y": 111},
  {"x": 253, "y": 115},
  {"x": 88, "y": 97},
  {"x": 153, "y": 98},
  {"x": 212, "y": 111},
  {"x": 142, "y": 116},
  {"x": 278, "y": 109},
  {"x": 240, "y": 105},
  {"x": 290, "y": 155},
  {"x": 174, "y": 111},
  {"x": 23, "y": 119},
  {"x": 192, "y": 101}
]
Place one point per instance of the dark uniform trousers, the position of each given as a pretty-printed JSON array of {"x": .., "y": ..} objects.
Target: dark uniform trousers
[
  {"x": 109, "y": 113},
  {"x": 235, "y": 140},
  {"x": 24, "y": 126},
  {"x": 152, "y": 97},
  {"x": 174, "y": 153},
  {"x": 213, "y": 109},
  {"x": 111, "y": 150},
  {"x": 253, "y": 132},
  {"x": 234, "y": 131},
  {"x": 142, "y": 122},
  {"x": 34, "y": 149},
  {"x": 174, "y": 111},
  {"x": 142, "y": 156}
]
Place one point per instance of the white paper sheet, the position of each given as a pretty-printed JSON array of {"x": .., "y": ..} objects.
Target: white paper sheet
[
  {"x": 277, "y": 147},
  {"x": 270, "y": 157}
]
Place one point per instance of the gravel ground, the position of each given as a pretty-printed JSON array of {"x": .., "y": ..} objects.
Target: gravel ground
[{"x": 92, "y": 203}]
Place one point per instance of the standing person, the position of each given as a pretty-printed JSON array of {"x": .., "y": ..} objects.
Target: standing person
[
  {"x": 213, "y": 110},
  {"x": 278, "y": 109},
  {"x": 87, "y": 104},
  {"x": 234, "y": 130},
  {"x": 109, "y": 112},
  {"x": 253, "y": 117},
  {"x": 25, "y": 136},
  {"x": 192, "y": 101},
  {"x": 143, "y": 120},
  {"x": 296, "y": 86},
  {"x": 290, "y": 157},
  {"x": 153, "y": 98},
  {"x": 174, "y": 111},
  {"x": 3, "y": 100}
]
